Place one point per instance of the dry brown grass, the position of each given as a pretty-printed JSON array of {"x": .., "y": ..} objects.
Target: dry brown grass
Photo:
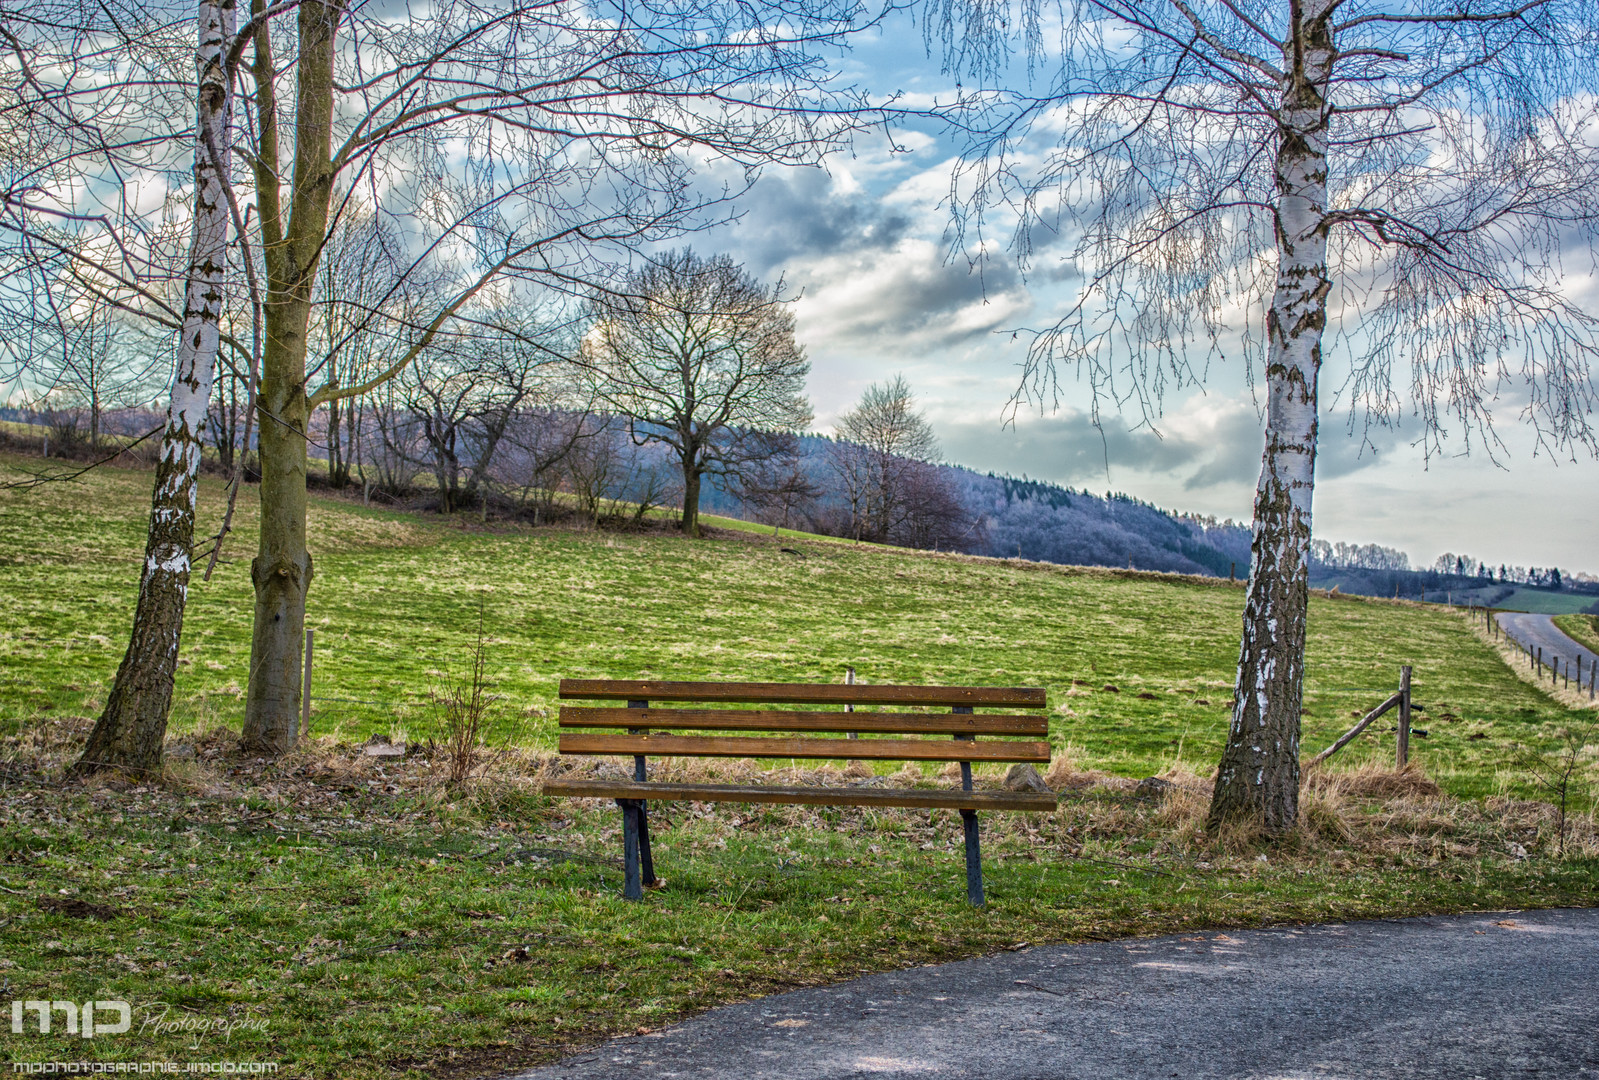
[
  {"x": 1371, "y": 780},
  {"x": 1366, "y": 815}
]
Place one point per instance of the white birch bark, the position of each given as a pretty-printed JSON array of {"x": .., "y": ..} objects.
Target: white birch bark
[
  {"x": 1259, "y": 773},
  {"x": 130, "y": 731}
]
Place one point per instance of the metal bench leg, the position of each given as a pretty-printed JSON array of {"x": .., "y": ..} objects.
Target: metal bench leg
[
  {"x": 640, "y": 808},
  {"x": 633, "y": 889},
  {"x": 974, "y": 859},
  {"x": 974, "y": 853},
  {"x": 646, "y": 863}
]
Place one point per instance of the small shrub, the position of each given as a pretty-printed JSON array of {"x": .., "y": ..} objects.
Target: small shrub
[{"x": 463, "y": 704}]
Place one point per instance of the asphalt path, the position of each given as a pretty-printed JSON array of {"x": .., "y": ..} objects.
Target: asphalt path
[
  {"x": 1540, "y": 631},
  {"x": 1473, "y": 996}
]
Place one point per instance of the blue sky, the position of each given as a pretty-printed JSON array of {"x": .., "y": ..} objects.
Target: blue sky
[{"x": 866, "y": 243}]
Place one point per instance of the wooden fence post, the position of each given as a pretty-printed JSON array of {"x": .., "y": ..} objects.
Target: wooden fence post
[
  {"x": 1402, "y": 753},
  {"x": 305, "y": 689}
]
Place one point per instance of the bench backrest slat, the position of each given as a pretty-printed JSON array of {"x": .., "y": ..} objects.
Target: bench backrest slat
[
  {"x": 801, "y": 693},
  {"x": 783, "y": 747},
  {"x": 580, "y": 716}
]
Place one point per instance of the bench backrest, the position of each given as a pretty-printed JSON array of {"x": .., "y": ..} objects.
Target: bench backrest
[{"x": 798, "y": 734}]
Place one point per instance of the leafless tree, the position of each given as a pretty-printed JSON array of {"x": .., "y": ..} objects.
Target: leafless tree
[
  {"x": 367, "y": 297},
  {"x": 933, "y": 515},
  {"x": 526, "y": 353},
  {"x": 79, "y": 358},
  {"x": 1422, "y": 171},
  {"x": 132, "y": 726},
  {"x": 463, "y": 393},
  {"x": 513, "y": 137},
  {"x": 777, "y": 485},
  {"x": 701, "y": 357},
  {"x": 882, "y": 447},
  {"x": 536, "y": 447},
  {"x": 600, "y": 467}
]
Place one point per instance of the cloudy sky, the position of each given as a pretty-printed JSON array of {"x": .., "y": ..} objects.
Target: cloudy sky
[{"x": 865, "y": 241}]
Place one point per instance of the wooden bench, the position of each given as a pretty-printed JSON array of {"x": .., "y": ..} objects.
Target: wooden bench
[{"x": 796, "y": 734}]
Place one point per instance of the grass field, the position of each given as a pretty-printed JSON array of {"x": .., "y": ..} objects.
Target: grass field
[
  {"x": 395, "y": 599},
  {"x": 354, "y": 919},
  {"x": 1539, "y": 601}
]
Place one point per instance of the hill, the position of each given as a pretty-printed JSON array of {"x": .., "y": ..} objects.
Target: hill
[{"x": 1138, "y": 665}]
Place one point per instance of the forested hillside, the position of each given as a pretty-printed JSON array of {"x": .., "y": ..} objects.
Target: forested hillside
[{"x": 548, "y": 463}]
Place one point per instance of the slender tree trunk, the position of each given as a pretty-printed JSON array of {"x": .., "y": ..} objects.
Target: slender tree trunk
[
  {"x": 1259, "y": 773},
  {"x": 291, "y": 246},
  {"x": 338, "y": 468},
  {"x": 130, "y": 732},
  {"x": 281, "y": 570}
]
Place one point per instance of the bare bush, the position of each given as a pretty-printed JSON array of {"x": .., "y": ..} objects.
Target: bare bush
[{"x": 462, "y": 702}]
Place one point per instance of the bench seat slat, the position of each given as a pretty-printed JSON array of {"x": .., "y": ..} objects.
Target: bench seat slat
[
  {"x": 781, "y": 747},
  {"x": 580, "y": 716},
  {"x": 925, "y": 798},
  {"x": 801, "y": 693}
]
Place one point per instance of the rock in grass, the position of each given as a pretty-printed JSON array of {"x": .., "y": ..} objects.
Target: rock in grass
[
  {"x": 1024, "y": 777},
  {"x": 1152, "y": 787},
  {"x": 380, "y": 746}
]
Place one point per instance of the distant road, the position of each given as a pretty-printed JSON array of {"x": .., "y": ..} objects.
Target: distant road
[
  {"x": 1540, "y": 632},
  {"x": 1466, "y": 997}
]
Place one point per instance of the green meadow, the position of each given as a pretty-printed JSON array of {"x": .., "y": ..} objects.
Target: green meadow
[{"x": 395, "y": 602}]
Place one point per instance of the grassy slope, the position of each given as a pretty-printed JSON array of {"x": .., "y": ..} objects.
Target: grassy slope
[
  {"x": 395, "y": 597},
  {"x": 1583, "y": 629}
]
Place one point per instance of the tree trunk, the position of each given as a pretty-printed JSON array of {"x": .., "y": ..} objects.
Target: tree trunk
[
  {"x": 281, "y": 570},
  {"x": 338, "y": 467},
  {"x": 131, "y": 729},
  {"x": 1259, "y": 773},
  {"x": 691, "y": 495}
]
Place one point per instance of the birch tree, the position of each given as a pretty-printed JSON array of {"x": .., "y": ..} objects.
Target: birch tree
[
  {"x": 1228, "y": 176},
  {"x": 131, "y": 728}
]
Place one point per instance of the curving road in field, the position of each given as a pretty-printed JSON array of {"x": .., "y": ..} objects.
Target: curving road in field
[
  {"x": 1468, "y": 997},
  {"x": 1540, "y": 632}
]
